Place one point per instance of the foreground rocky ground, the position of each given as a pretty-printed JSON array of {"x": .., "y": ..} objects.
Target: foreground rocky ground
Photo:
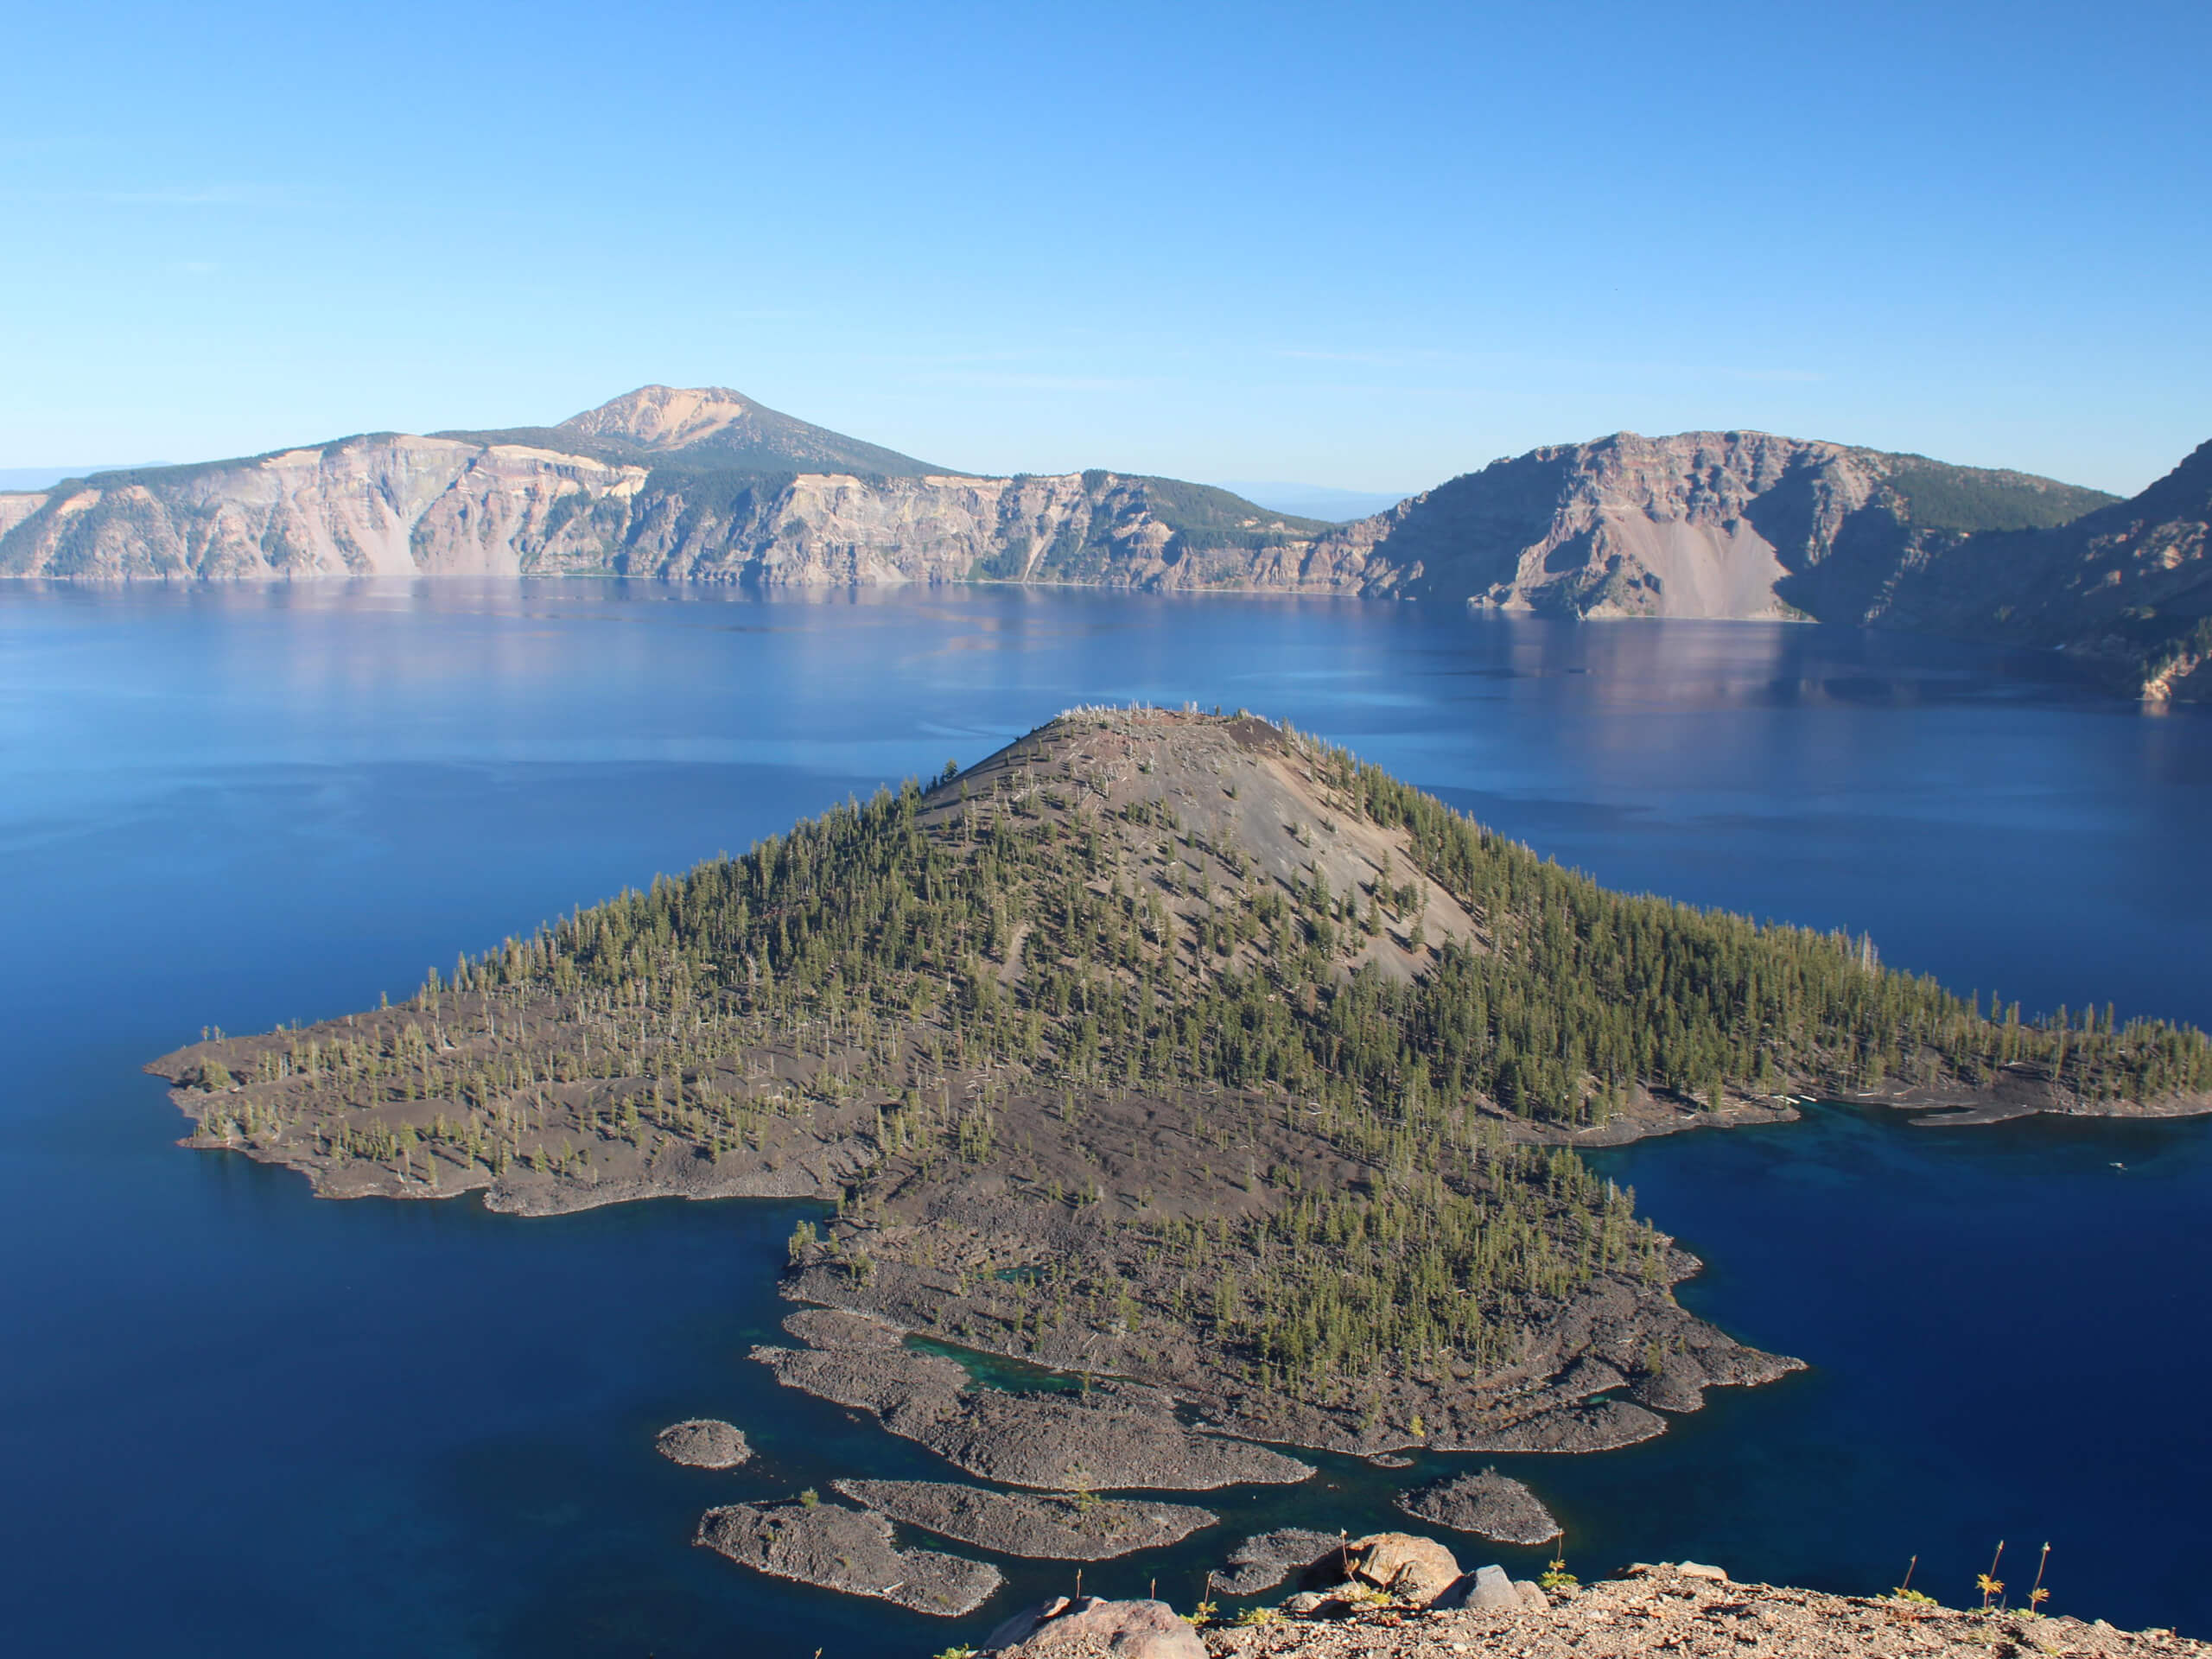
[
  {"x": 1680, "y": 1611},
  {"x": 1663, "y": 1611}
]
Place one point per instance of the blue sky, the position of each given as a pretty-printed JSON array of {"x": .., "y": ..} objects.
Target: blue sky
[{"x": 1368, "y": 247}]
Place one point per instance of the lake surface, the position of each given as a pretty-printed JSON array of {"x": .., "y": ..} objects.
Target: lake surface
[{"x": 236, "y": 1420}]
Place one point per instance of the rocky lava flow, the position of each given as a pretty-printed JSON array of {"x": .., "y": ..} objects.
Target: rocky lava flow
[
  {"x": 1115, "y": 1435},
  {"x": 1498, "y": 1506},
  {"x": 849, "y": 1550},
  {"x": 1057, "y": 1527}
]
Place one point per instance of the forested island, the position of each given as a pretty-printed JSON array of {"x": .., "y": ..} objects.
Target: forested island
[{"x": 1178, "y": 1052}]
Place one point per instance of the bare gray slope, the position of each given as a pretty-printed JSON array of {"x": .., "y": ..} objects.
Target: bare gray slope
[{"x": 1736, "y": 525}]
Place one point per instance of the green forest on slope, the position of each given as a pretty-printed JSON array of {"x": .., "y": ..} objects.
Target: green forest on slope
[
  {"x": 1582, "y": 993},
  {"x": 1074, "y": 1016}
]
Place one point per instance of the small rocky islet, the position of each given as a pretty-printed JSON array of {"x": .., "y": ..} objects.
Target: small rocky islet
[
  {"x": 1495, "y": 1506},
  {"x": 703, "y": 1443},
  {"x": 1059, "y": 1527},
  {"x": 849, "y": 1550}
]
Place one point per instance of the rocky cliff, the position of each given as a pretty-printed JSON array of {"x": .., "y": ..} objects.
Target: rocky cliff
[
  {"x": 1735, "y": 525},
  {"x": 662, "y": 483},
  {"x": 706, "y": 485},
  {"x": 2128, "y": 586}
]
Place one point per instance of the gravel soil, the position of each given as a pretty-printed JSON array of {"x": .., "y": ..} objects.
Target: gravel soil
[{"x": 1665, "y": 1609}]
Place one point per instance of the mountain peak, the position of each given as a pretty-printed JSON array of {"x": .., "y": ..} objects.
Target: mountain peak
[
  {"x": 693, "y": 427},
  {"x": 664, "y": 417}
]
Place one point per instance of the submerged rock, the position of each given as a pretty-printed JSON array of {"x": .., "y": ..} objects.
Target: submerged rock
[
  {"x": 703, "y": 1443},
  {"x": 1057, "y": 1528},
  {"x": 849, "y": 1550},
  {"x": 1495, "y": 1506}
]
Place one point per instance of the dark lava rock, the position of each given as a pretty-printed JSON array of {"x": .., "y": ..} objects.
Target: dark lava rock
[
  {"x": 835, "y": 1327},
  {"x": 1115, "y": 1435},
  {"x": 851, "y": 1550},
  {"x": 1589, "y": 1376},
  {"x": 1498, "y": 1506},
  {"x": 1057, "y": 1528},
  {"x": 909, "y": 1391},
  {"x": 703, "y": 1443},
  {"x": 1264, "y": 1561},
  {"x": 1602, "y": 1428},
  {"x": 1061, "y": 1629},
  {"x": 1058, "y": 1441},
  {"x": 1677, "y": 1385}
]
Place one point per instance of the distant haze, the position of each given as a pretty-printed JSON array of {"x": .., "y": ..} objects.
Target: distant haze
[{"x": 1317, "y": 501}]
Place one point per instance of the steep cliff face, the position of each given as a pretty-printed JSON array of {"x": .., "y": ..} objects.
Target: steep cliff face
[
  {"x": 1735, "y": 525},
  {"x": 387, "y": 504},
  {"x": 381, "y": 506},
  {"x": 2128, "y": 585},
  {"x": 15, "y": 505},
  {"x": 706, "y": 485},
  {"x": 1093, "y": 528}
]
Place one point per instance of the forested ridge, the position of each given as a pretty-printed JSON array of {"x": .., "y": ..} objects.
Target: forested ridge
[
  {"x": 1182, "y": 1047},
  {"x": 889, "y": 910}
]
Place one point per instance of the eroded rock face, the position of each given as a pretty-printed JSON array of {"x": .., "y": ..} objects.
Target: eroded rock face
[
  {"x": 703, "y": 1443},
  {"x": 1078, "y": 1629},
  {"x": 703, "y": 484}
]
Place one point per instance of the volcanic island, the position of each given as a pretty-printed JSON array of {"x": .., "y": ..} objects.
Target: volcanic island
[{"x": 1180, "y": 1052}]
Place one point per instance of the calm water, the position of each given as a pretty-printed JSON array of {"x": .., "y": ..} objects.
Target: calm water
[{"x": 235, "y": 1420}]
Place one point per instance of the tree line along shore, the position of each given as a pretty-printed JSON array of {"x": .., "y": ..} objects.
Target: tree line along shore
[{"x": 1177, "y": 1048}]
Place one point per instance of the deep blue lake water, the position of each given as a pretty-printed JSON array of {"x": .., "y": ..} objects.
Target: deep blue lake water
[{"x": 236, "y": 1420}]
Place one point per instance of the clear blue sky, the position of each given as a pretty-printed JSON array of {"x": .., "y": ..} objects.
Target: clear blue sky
[{"x": 1368, "y": 247}]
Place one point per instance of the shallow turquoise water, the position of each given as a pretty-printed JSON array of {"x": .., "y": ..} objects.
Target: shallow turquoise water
[{"x": 236, "y": 1421}]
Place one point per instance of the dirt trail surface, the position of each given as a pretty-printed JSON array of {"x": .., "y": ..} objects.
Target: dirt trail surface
[
  {"x": 1668, "y": 1610},
  {"x": 1056, "y": 1527},
  {"x": 849, "y": 1550}
]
